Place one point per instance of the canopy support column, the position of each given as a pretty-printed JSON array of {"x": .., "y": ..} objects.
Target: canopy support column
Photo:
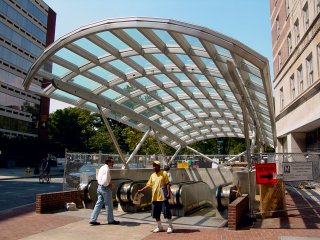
[
  {"x": 114, "y": 140},
  {"x": 253, "y": 142},
  {"x": 138, "y": 146},
  {"x": 202, "y": 155},
  {"x": 174, "y": 155}
]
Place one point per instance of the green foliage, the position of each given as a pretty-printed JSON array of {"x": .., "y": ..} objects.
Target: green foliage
[{"x": 80, "y": 130}]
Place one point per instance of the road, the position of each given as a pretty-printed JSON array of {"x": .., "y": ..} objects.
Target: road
[{"x": 19, "y": 192}]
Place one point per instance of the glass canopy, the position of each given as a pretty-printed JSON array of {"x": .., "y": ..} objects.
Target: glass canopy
[{"x": 187, "y": 83}]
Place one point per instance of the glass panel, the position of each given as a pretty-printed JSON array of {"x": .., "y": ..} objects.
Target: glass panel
[
  {"x": 185, "y": 59},
  {"x": 181, "y": 76},
  {"x": 85, "y": 82},
  {"x": 101, "y": 72},
  {"x": 208, "y": 62},
  {"x": 137, "y": 36},
  {"x": 187, "y": 114},
  {"x": 59, "y": 70},
  {"x": 220, "y": 81},
  {"x": 206, "y": 103},
  {"x": 141, "y": 61},
  {"x": 222, "y": 50},
  {"x": 113, "y": 95},
  {"x": 176, "y": 105},
  {"x": 62, "y": 94},
  {"x": 191, "y": 103},
  {"x": 162, "y": 94},
  {"x": 91, "y": 106},
  {"x": 163, "y": 59},
  {"x": 90, "y": 47},
  {"x": 173, "y": 129},
  {"x": 121, "y": 66},
  {"x": 173, "y": 116},
  {"x": 145, "y": 82},
  {"x": 194, "y": 90},
  {"x": 193, "y": 41},
  {"x": 165, "y": 37},
  {"x": 163, "y": 78},
  {"x": 71, "y": 57},
  {"x": 255, "y": 79},
  {"x": 201, "y": 77},
  {"x": 146, "y": 98},
  {"x": 127, "y": 87},
  {"x": 130, "y": 104},
  {"x": 177, "y": 90},
  {"x": 113, "y": 40}
]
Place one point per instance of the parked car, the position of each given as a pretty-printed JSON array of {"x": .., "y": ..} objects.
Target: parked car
[{"x": 88, "y": 172}]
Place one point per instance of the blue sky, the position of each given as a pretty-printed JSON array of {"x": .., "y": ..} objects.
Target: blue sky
[{"x": 247, "y": 21}]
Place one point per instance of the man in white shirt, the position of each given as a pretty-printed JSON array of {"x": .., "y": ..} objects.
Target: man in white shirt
[{"x": 104, "y": 194}]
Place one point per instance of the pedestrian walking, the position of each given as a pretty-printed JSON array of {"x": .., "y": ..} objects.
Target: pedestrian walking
[{"x": 104, "y": 194}]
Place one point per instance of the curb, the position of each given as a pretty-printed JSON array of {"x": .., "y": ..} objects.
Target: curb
[{"x": 15, "y": 177}]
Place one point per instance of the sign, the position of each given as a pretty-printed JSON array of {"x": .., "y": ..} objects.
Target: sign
[
  {"x": 297, "y": 171},
  {"x": 266, "y": 173}
]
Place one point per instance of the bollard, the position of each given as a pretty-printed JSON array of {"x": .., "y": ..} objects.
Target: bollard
[{"x": 27, "y": 171}]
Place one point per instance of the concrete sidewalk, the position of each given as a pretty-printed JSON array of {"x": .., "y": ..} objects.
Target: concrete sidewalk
[{"x": 24, "y": 223}]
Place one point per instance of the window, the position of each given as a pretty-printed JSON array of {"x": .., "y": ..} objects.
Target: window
[
  {"x": 289, "y": 40},
  {"x": 277, "y": 27},
  {"x": 279, "y": 60},
  {"x": 292, "y": 87},
  {"x": 318, "y": 50},
  {"x": 296, "y": 31},
  {"x": 318, "y": 6},
  {"x": 281, "y": 98},
  {"x": 300, "y": 78},
  {"x": 309, "y": 69},
  {"x": 288, "y": 8},
  {"x": 305, "y": 17}
]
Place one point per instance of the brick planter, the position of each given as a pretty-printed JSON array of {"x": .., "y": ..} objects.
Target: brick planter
[
  {"x": 237, "y": 210},
  {"x": 53, "y": 202}
]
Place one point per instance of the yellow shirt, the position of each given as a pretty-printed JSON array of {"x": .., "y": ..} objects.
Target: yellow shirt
[{"x": 157, "y": 181}]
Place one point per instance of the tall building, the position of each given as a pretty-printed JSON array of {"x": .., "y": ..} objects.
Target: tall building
[
  {"x": 26, "y": 28},
  {"x": 295, "y": 28}
]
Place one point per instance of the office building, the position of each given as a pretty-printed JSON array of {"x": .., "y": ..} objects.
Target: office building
[
  {"x": 26, "y": 28},
  {"x": 295, "y": 28}
]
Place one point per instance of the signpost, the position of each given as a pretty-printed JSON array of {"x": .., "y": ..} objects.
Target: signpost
[
  {"x": 297, "y": 171},
  {"x": 266, "y": 173}
]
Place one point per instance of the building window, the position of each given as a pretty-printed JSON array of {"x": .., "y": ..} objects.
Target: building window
[
  {"x": 318, "y": 6},
  {"x": 281, "y": 98},
  {"x": 288, "y": 8},
  {"x": 318, "y": 50},
  {"x": 277, "y": 27},
  {"x": 306, "y": 17},
  {"x": 296, "y": 31},
  {"x": 309, "y": 69},
  {"x": 289, "y": 39},
  {"x": 279, "y": 61},
  {"x": 292, "y": 87},
  {"x": 300, "y": 78}
]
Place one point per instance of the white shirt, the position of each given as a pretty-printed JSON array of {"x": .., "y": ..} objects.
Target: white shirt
[{"x": 104, "y": 176}]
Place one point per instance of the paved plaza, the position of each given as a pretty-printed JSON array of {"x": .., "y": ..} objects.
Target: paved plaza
[{"x": 24, "y": 223}]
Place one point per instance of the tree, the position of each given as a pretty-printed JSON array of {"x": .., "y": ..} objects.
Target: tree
[{"x": 72, "y": 128}]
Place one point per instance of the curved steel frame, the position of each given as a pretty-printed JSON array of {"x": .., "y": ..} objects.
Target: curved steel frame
[{"x": 185, "y": 82}]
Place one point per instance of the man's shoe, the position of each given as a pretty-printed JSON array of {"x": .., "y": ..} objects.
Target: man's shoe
[
  {"x": 157, "y": 229},
  {"x": 94, "y": 223},
  {"x": 170, "y": 230},
  {"x": 114, "y": 222}
]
